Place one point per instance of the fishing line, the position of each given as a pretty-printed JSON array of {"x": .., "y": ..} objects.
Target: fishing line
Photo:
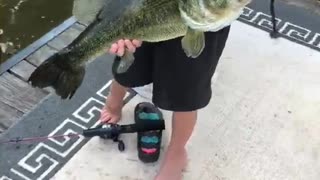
[
  {"x": 274, "y": 33},
  {"x": 39, "y": 139}
]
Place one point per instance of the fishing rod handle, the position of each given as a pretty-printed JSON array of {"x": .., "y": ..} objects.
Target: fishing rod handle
[
  {"x": 142, "y": 126},
  {"x": 108, "y": 130}
]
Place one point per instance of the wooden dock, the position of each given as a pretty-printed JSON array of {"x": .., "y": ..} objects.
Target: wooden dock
[{"x": 17, "y": 97}]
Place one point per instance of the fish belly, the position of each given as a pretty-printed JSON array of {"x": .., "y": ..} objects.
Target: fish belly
[{"x": 161, "y": 32}]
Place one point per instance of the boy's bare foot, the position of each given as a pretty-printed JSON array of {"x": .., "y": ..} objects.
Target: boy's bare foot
[
  {"x": 111, "y": 113},
  {"x": 173, "y": 165}
]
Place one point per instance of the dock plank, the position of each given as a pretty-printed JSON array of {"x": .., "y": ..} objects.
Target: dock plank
[
  {"x": 19, "y": 94},
  {"x": 65, "y": 38},
  {"x": 8, "y": 116},
  {"x": 21, "y": 55},
  {"x": 23, "y": 70},
  {"x": 41, "y": 55}
]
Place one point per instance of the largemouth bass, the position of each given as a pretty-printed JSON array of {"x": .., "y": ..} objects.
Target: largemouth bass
[{"x": 145, "y": 20}]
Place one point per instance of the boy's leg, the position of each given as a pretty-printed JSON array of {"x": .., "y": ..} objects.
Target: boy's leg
[
  {"x": 175, "y": 159},
  {"x": 111, "y": 112},
  {"x": 183, "y": 85},
  {"x": 139, "y": 74}
]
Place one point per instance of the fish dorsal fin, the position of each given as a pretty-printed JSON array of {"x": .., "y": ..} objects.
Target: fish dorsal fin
[{"x": 87, "y": 10}]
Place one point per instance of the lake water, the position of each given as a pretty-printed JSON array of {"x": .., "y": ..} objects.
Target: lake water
[{"x": 25, "y": 21}]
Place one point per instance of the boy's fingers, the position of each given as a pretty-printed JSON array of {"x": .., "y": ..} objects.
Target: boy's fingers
[
  {"x": 113, "y": 49},
  {"x": 104, "y": 117},
  {"x": 119, "y": 47},
  {"x": 121, "y": 44},
  {"x": 130, "y": 46},
  {"x": 120, "y": 51},
  {"x": 136, "y": 43}
]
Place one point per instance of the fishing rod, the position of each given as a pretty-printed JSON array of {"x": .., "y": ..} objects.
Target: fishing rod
[{"x": 105, "y": 131}]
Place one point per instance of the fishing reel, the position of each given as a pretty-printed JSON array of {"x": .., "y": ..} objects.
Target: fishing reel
[
  {"x": 107, "y": 131},
  {"x": 113, "y": 131},
  {"x": 114, "y": 135}
]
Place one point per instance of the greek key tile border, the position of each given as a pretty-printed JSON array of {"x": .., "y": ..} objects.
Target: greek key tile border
[
  {"x": 287, "y": 30},
  {"x": 43, "y": 160}
]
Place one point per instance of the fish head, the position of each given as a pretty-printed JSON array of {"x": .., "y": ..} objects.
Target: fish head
[{"x": 211, "y": 15}]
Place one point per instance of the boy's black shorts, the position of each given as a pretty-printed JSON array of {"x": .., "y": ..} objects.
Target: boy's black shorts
[{"x": 179, "y": 83}]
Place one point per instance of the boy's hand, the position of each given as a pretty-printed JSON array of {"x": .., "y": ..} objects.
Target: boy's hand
[{"x": 118, "y": 48}]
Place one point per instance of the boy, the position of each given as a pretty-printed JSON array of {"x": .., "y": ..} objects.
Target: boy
[{"x": 180, "y": 84}]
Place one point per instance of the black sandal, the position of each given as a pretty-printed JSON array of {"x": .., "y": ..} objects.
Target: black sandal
[{"x": 148, "y": 143}]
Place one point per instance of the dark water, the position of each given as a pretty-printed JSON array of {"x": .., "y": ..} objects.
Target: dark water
[{"x": 30, "y": 20}]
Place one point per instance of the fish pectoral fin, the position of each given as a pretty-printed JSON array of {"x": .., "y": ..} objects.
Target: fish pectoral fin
[
  {"x": 193, "y": 42},
  {"x": 125, "y": 62}
]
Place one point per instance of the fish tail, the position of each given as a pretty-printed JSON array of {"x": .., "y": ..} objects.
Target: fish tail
[{"x": 57, "y": 73}]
